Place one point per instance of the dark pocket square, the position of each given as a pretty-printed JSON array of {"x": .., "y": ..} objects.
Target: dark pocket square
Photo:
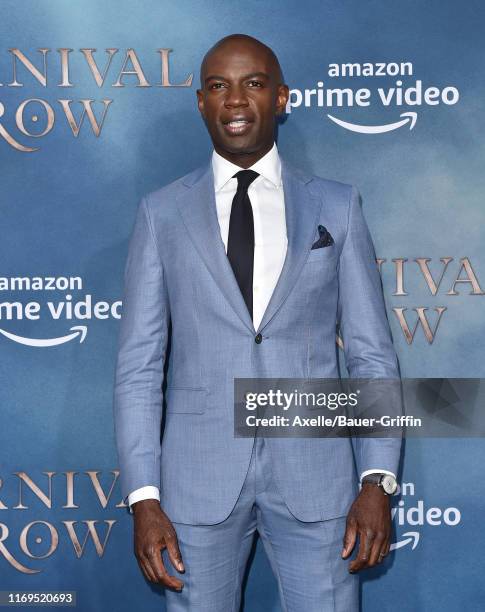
[{"x": 325, "y": 238}]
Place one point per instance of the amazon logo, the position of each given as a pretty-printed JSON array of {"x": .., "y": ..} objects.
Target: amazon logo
[
  {"x": 345, "y": 98},
  {"x": 417, "y": 515},
  {"x": 69, "y": 308}
]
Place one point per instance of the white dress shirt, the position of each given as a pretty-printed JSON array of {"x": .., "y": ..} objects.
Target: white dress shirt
[{"x": 270, "y": 241}]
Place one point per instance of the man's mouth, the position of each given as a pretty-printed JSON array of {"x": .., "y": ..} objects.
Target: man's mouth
[{"x": 237, "y": 127}]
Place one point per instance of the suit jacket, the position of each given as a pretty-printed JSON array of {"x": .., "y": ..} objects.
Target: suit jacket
[{"x": 177, "y": 271}]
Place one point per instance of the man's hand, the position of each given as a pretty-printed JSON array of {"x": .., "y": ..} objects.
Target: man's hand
[
  {"x": 370, "y": 518},
  {"x": 153, "y": 533}
]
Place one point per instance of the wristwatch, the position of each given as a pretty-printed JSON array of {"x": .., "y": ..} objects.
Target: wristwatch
[{"x": 387, "y": 482}]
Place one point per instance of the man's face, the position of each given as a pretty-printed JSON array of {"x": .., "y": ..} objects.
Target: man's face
[{"x": 240, "y": 99}]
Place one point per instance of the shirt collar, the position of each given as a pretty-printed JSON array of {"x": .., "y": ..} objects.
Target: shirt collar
[{"x": 269, "y": 167}]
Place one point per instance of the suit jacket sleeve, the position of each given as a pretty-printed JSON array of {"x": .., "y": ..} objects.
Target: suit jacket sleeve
[
  {"x": 137, "y": 398},
  {"x": 365, "y": 331}
]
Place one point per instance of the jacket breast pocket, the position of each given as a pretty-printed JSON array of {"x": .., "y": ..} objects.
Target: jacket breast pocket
[{"x": 186, "y": 400}]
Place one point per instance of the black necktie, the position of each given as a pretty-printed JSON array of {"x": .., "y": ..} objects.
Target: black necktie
[{"x": 240, "y": 241}]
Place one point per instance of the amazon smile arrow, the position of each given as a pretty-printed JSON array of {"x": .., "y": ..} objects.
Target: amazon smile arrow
[
  {"x": 78, "y": 330},
  {"x": 409, "y": 117},
  {"x": 412, "y": 538}
]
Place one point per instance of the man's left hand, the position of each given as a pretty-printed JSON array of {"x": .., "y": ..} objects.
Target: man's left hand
[{"x": 369, "y": 517}]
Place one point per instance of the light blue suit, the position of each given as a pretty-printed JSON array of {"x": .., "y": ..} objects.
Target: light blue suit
[{"x": 177, "y": 271}]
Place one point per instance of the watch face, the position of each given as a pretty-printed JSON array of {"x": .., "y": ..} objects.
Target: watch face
[{"x": 389, "y": 484}]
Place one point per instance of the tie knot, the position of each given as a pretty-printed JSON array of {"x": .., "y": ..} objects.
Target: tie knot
[{"x": 245, "y": 178}]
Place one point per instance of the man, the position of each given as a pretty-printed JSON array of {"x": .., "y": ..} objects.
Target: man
[{"x": 224, "y": 256}]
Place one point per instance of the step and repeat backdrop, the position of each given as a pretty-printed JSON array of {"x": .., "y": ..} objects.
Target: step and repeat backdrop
[{"x": 97, "y": 108}]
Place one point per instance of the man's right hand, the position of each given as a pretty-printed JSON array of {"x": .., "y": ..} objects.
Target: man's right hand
[{"x": 153, "y": 533}]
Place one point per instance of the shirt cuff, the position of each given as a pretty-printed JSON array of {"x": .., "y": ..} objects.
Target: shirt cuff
[
  {"x": 377, "y": 471},
  {"x": 148, "y": 492}
]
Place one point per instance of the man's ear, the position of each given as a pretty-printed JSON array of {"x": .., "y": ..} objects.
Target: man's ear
[
  {"x": 200, "y": 101},
  {"x": 282, "y": 99}
]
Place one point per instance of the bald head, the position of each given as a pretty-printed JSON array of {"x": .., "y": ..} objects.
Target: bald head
[{"x": 240, "y": 44}]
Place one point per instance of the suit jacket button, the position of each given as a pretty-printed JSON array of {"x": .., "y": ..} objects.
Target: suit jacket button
[{"x": 258, "y": 339}]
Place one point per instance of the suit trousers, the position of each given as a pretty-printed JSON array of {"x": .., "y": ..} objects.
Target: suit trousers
[{"x": 304, "y": 556}]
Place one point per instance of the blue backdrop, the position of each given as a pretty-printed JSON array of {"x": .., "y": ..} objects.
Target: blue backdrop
[{"x": 67, "y": 203}]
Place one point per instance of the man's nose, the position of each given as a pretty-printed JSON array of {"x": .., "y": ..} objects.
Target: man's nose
[{"x": 235, "y": 96}]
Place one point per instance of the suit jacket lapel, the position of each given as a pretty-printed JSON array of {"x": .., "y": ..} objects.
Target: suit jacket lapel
[
  {"x": 197, "y": 205},
  {"x": 302, "y": 210}
]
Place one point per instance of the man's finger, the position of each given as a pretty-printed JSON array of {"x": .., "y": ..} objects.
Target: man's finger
[
  {"x": 376, "y": 550},
  {"x": 350, "y": 537},
  {"x": 381, "y": 557},
  {"x": 156, "y": 563},
  {"x": 147, "y": 570},
  {"x": 366, "y": 540},
  {"x": 387, "y": 547},
  {"x": 174, "y": 553}
]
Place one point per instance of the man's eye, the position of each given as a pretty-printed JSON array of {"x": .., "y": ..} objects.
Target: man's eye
[
  {"x": 255, "y": 83},
  {"x": 216, "y": 85}
]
